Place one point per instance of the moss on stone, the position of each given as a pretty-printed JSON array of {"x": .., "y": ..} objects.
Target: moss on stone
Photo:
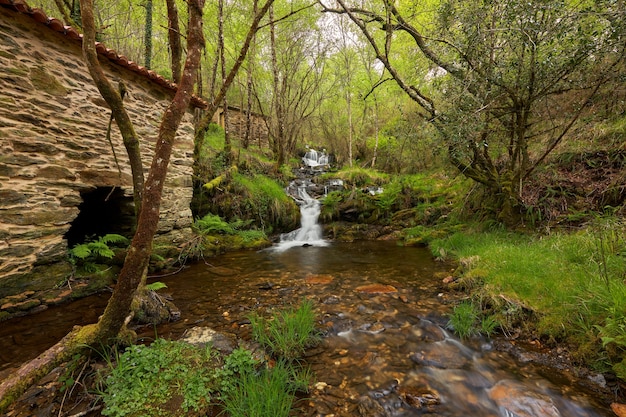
[{"x": 43, "y": 80}]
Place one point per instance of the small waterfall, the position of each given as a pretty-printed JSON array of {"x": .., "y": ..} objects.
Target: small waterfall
[
  {"x": 315, "y": 159},
  {"x": 310, "y": 231}
]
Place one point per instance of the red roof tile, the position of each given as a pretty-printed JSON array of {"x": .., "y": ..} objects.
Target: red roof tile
[{"x": 57, "y": 25}]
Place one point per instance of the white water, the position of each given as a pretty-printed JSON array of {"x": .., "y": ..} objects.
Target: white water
[
  {"x": 315, "y": 159},
  {"x": 310, "y": 231}
]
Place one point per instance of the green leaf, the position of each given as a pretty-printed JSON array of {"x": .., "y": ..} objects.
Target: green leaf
[
  {"x": 100, "y": 248},
  {"x": 155, "y": 286}
]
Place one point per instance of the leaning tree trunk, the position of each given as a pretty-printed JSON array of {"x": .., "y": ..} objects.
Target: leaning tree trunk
[
  {"x": 138, "y": 256},
  {"x": 139, "y": 253}
]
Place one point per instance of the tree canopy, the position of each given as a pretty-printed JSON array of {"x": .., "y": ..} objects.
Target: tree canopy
[{"x": 495, "y": 86}]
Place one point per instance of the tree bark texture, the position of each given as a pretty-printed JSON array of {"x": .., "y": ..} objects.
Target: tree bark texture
[
  {"x": 148, "y": 36},
  {"x": 140, "y": 249}
]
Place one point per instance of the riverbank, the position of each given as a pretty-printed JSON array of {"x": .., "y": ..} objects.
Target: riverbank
[{"x": 559, "y": 292}]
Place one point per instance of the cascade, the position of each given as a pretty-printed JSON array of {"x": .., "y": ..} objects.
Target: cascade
[
  {"x": 315, "y": 159},
  {"x": 310, "y": 231}
]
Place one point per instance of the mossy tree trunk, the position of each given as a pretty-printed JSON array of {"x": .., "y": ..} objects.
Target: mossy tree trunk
[{"x": 173, "y": 33}]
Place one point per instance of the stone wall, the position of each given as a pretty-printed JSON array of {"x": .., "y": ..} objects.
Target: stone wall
[
  {"x": 53, "y": 151},
  {"x": 259, "y": 132}
]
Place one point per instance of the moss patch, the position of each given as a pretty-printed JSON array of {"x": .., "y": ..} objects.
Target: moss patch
[{"x": 43, "y": 80}]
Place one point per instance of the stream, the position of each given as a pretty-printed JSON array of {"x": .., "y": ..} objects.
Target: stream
[
  {"x": 386, "y": 351},
  {"x": 382, "y": 310}
]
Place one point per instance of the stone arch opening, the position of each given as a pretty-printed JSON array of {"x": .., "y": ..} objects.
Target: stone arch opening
[{"x": 103, "y": 210}]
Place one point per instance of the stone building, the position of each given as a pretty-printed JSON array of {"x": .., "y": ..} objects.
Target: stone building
[{"x": 59, "y": 181}]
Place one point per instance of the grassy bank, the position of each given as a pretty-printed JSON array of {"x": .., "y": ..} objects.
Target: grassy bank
[{"x": 561, "y": 287}]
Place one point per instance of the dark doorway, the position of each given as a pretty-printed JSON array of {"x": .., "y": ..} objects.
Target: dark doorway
[{"x": 103, "y": 210}]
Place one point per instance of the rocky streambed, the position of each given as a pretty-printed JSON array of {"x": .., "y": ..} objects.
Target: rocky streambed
[{"x": 386, "y": 350}]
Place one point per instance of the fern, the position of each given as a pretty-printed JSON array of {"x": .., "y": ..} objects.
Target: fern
[
  {"x": 213, "y": 224},
  {"x": 99, "y": 248},
  {"x": 81, "y": 251},
  {"x": 113, "y": 238},
  {"x": 86, "y": 254}
]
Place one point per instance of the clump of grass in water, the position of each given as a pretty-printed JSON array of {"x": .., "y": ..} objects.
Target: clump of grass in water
[
  {"x": 171, "y": 378},
  {"x": 466, "y": 320},
  {"x": 289, "y": 333},
  {"x": 271, "y": 391},
  {"x": 268, "y": 392}
]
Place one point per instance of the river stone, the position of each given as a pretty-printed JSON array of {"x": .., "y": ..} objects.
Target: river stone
[
  {"x": 515, "y": 399},
  {"x": 222, "y": 271},
  {"x": 418, "y": 396},
  {"x": 441, "y": 355},
  {"x": 619, "y": 409},
  {"x": 319, "y": 279},
  {"x": 428, "y": 331},
  {"x": 20, "y": 306},
  {"x": 368, "y": 407},
  {"x": 204, "y": 336},
  {"x": 376, "y": 289}
]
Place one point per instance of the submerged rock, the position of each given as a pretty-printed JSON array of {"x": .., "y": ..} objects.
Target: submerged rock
[
  {"x": 376, "y": 289},
  {"x": 319, "y": 279},
  {"x": 516, "y": 400}
]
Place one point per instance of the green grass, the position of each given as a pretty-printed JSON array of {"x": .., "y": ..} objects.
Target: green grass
[
  {"x": 359, "y": 177},
  {"x": 572, "y": 282},
  {"x": 265, "y": 393},
  {"x": 173, "y": 378},
  {"x": 289, "y": 332},
  {"x": 467, "y": 320},
  {"x": 264, "y": 200}
]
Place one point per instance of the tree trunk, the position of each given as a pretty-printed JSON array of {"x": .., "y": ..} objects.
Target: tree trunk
[
  {"x": 139, "y": 253},
  {"x": 148, "y": 36},
  {"x": 138, "y": 256},
  {"x": 173, "y": 33},
  {"x": 248, "y": 134},
  {"x": 222, "y": 53},
  {"x": 279, "y": 130}
]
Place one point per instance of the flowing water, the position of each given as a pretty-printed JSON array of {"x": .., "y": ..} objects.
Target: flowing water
[
  {"x": 382, "y": 310},
  {"x": 310, "y": 231}
]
